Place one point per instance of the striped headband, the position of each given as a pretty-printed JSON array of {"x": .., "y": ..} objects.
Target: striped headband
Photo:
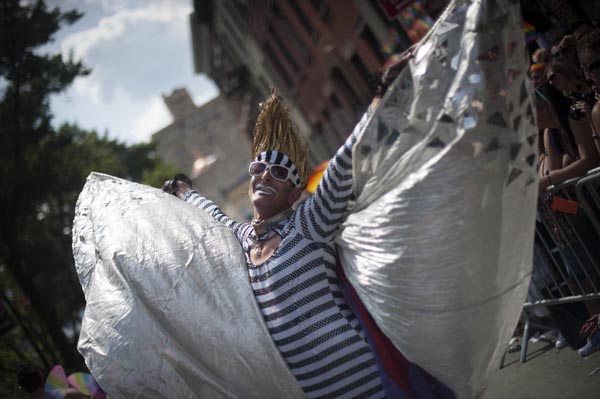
[{"x": 279, "y": 158}]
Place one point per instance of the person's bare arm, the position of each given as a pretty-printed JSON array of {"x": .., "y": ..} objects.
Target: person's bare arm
[
  {"x": 595, "y": 119},
  {"x": 588, "y": 155},
  {"x": 554, "y": 158}
]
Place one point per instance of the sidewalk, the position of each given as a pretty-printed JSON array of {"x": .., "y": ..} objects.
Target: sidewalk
[{"x": 548, "y": 373}]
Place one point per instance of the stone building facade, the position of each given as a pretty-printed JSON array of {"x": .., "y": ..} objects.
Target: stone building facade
[{"x": 207, "y": 144}]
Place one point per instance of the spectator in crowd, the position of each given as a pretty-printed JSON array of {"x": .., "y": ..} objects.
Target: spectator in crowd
[
  {"x": 556, "y": 141},
  {"x": 569, "y": 148},
  {"x": 591, "y": 330},
  {"x": 569, "y": 81},
  {"x": 537, "y": 75},
  {"x": 537, "y": 70},
  {"x": 558, "y": 149},
  {"x": 589, "y": 56},
  {"x": 567, "y": 77},
  {"x": 567, "y": 46}
]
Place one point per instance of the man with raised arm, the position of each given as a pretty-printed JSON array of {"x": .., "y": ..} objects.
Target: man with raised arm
[{"x": 291, "y": 258}]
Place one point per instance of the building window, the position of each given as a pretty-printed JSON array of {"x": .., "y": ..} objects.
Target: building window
[
  {"x": 326, "y": 118},
  {"x": 287, "y": 80},
  {"x": 318, "y": 128},
  {"x": 321, "y": 9},
  {"x": 310, "y": 29},
  {"x": 292, "y": 36},
  {"x": 361, "y": 68},
  {"x": 369, "y": 37},
  {"x": 335, "y": 101},
  {"x": 346, "y": 89},
  {"x": 283, "y": 48},
  {"x": 230, "y": 31},
  {"x": 339, "y": 116},
  {"x": 217, "y": 55}
]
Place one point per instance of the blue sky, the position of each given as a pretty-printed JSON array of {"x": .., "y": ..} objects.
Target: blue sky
[{"x": 138, "y": 50}]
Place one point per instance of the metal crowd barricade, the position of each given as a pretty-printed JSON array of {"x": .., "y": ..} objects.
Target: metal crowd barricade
[
  {"x": 588, "y": 194},
  {"x": 566, "y": 251}
]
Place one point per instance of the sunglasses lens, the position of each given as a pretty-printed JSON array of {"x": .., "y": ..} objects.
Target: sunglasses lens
[
  {"x": 279, "y": 172},
  {"x": 257, "y": 168}
]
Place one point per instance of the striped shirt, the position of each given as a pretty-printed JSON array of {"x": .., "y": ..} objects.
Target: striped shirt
[{"x": 298, "y": 292}]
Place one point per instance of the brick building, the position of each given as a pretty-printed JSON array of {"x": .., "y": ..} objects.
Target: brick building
[{"x": 320, "y": 54}]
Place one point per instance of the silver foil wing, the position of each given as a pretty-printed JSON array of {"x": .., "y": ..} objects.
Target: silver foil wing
[
  {"x": 169, "y": 312},
  {"x": 438, "y": 244}
]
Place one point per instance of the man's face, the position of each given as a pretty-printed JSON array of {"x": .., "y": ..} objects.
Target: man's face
[
  {"x": 269, "y": 196},
  {"x": 537, "y": 78},
  {"x": 559, "y": 79},
  {"x": 591, "y": 66}
]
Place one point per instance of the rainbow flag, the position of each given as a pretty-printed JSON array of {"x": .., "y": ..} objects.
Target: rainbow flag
[{"x": 531, "y": 35}]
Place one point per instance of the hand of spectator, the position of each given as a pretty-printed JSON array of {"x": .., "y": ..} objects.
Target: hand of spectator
[
  {"x": 544, "y": 184},
  {"x": 582, "y": 106},
  {"x": 566, "y": 48},
  {"x": 567, "y": 42}
]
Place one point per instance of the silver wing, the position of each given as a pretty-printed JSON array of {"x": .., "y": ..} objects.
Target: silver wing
[
  {"x": 439, "y": 242},
  {"x": 170, "y": 312}
]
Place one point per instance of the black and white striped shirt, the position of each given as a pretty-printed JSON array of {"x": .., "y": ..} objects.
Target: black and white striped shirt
[{"x": 299, "y": 295}]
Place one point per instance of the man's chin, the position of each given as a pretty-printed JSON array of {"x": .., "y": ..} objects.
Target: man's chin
[{"x": 261, "y": 199}]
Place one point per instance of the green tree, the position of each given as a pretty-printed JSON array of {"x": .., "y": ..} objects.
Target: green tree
[
  {"x": 42, "y": 171},
  {"x": 28, "y": 80},
  {"x": 71, "y": 153}
]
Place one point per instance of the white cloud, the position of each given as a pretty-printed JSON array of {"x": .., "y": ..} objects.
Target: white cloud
[
  {"x": 137, "y": 50},
  {"x": 107, "y": 5},
  {"x": 154, "y": 117},
  {"x": 116, "y": 25},
  {"x": 90, "y": 88},
  {"x": 124, "y": 116}
]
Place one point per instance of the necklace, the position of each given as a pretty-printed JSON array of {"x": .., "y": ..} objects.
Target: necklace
[
  {"x": 263, "y": 230},
  {"x": 261, "y": 226},
  {"x": 258, "y": 249}
]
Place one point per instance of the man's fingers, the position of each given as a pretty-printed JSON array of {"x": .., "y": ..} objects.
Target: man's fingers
[{"x": 166, "y": 187}]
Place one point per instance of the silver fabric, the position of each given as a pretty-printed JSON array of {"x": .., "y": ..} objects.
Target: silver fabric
[
  {"x": 439, "y": 241},
  {"x": 170, "y": 312}
]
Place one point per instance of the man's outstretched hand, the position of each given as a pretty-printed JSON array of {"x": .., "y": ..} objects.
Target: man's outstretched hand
[
  {"x": 390, "y": 72},
  {"x": 178, "y": 186}
]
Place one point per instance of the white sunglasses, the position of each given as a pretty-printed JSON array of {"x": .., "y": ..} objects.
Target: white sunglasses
[{"x": 279, "y": 172}]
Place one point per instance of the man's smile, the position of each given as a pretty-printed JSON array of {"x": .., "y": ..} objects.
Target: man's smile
[{"x": 263, "y": 189}]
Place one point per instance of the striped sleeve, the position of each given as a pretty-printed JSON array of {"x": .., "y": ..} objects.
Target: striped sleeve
[
  {"x": 192, "y": 197},
  {"x": 319, "y": 216}
]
